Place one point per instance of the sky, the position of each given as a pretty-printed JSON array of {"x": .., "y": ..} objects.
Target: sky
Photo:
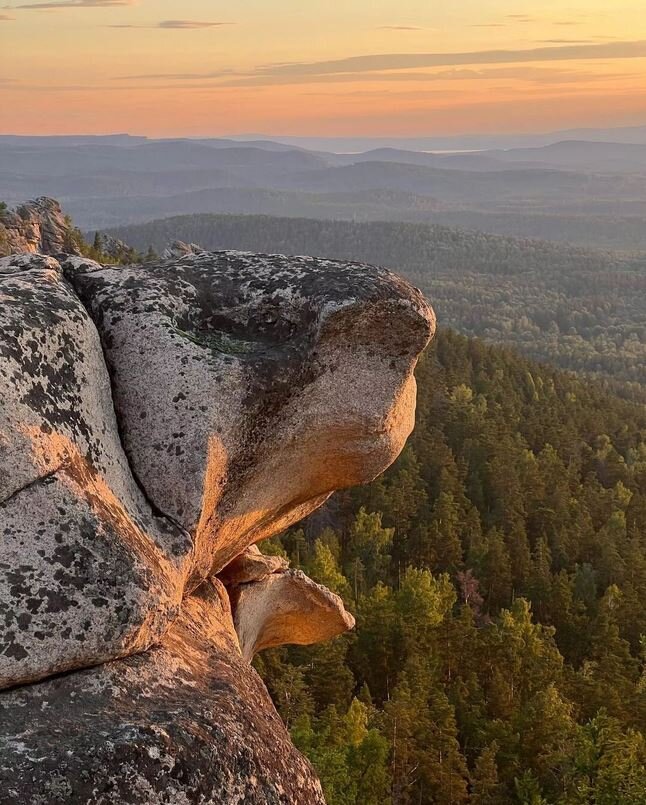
[{"x": 319, "y": 67}]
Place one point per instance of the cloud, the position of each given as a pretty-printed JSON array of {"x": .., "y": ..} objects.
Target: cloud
[
  {"x": 399, "y": 28},
  {"x": 177, "y": 25},
  {"x": 566, "y": 41},
  {"x": 397, "y": 67},
  {"x": 403, "y": 61},
  {"x": 55, "y": 4},
  {"x": 176, "y": 76},
  {"x": 544, "y": 75},
  {"x": 521, "y": 18},
  {"x": 183, "y": 24},
  {"x": 528, "y": 73},
  {"x": 6, "y": 18}
]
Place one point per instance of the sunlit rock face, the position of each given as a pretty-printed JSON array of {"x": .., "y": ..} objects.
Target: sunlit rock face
[
  {"x": 37, "y": 226},
  {"x": 158, "y": 421},
  {"x": 87, "y": 571},
  {"x": 286, "y": 607},
  {"x": 249, "y": 387}
]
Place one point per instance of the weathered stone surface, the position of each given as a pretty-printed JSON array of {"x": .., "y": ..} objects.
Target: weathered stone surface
[
  {"x": 187, "y": 722},
  {"x": 180, "y": 249},
  {"x": 251, "y": 565},
  {"x": 286, "y": 607},
  {"x": 156, "y": 422},
  {"x": 37, "y": 226},
  {"x": 113, "y": 248},
  {"x": 249, "y": 387},
  {"x": 87, "y": 573}
]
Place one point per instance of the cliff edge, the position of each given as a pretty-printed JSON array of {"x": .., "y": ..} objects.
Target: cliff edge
[{"x": 157, "y": 422}]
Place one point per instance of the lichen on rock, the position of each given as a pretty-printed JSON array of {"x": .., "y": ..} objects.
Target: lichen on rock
[{"x": 157, "y": 422}]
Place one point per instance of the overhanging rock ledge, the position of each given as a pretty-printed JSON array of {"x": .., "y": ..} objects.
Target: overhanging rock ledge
[{"x": 158, "y": 421}]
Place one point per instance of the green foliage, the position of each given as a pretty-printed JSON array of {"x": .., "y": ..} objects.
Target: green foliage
[
  {"x": 497, "y": 573},
  {"x": 123, "y": 255}
]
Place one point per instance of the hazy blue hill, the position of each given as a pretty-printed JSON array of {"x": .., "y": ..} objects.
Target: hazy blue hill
[
  {"x": 582, "y": 155},
  {"x": 585, "y": 192}
]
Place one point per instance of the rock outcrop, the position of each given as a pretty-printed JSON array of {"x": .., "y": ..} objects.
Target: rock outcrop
[
  {"x": 251, "y": 565},
  {"x": 231, "y": 370},
  {"x": 180, "y": 249},
  {"x": 37, "y": 226},
  {"x": 113, "y": 248},
  {"x": 187, "y": 722},
  {"x": 157, "y": 422},
  {"x": 286, "y": 607},
  {"x": 87, "y": 571}
]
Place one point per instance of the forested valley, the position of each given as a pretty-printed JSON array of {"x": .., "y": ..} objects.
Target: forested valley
[
  {"x": 579, "y": 309},
  {"x": 498, "y": 573}
]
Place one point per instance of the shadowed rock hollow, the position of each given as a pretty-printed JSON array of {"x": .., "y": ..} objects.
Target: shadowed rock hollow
[{"x": 157, "y": 421}]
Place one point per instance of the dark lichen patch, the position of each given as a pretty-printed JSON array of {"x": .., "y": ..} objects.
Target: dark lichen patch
[{"x": 82, "y": 593}]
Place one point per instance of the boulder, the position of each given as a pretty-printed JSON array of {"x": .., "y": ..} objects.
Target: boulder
[
  {"x": 114, "y": 248},
  {"x": 180, "y": 249},
  {"x": 189, "y": 721},
  {"x": 251, "y": 565},
  {"x": 87, "y": 572},
  {"x": 286, "y": 607},
  {"x": 249, "y": 387}
]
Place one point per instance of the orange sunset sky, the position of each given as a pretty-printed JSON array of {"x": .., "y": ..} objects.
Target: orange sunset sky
[{"x": 358, "y": 67}]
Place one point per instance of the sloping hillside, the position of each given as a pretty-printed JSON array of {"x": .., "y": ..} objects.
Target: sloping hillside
[
  {"x": 581, "y": 309},
  {"x": 498, "y": 573}
]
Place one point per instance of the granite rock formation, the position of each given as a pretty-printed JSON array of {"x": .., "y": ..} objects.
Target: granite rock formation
[
  {"x": 180, "y": 249},
  {"x": 286, "y": 607},
  {"x": 189, "y": 721},
  {"x": 157, "y": 422},
  {"x": 37, "y": 226},
  {"x": 87, "y": 571}
]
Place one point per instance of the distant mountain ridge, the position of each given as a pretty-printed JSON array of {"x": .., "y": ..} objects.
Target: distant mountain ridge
[{"x": 585, "y": 192}]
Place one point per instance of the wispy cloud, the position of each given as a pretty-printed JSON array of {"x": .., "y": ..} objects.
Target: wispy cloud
[
  {"x": 54, "y": 4},
  {"x": 515, "y": 73},
  {"x": 6, "y": 18},
  {"x": 184, "y": 24},
  {"x": 176, "y": 25},
  {"x": 521, "y": 18},
  {"x": 527, "y": 73},
  {"x": 402, "y": 61},
  {"x": 566, "y": 41},
  {"x": 399, "y": 28},
  {"x": 177, "y": 76}
]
